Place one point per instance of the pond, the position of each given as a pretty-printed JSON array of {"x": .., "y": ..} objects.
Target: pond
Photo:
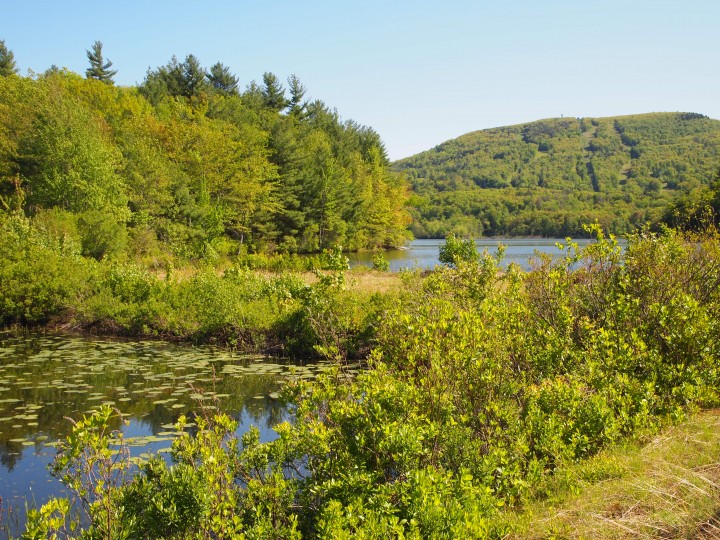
[
  {"x": 423, "y": 254},
  {"x": 44, "y": 380}
]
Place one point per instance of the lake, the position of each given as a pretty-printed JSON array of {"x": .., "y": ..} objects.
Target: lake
[
  {"x": 423, "y": 254},
  {"x": 44, "y": 380}
]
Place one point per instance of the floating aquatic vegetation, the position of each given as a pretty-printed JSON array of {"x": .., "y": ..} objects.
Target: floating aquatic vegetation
[{"x": 46, "y": 380}]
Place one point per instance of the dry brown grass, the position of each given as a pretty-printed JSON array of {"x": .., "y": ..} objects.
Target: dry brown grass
[
  {"x": 363, "y": 281},
  {"x": 375, "y": 282},
  {"x": 666, "y": 489}
]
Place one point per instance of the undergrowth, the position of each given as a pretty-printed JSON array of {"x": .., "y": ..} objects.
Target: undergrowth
[{"x": 487, "y": 392}]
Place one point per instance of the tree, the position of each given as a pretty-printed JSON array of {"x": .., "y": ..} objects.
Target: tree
[
  {"x": 222, "y": 80},
  {"x": 193, "y": 77},
  {"x": 52, "y": 70},
  {"x": 69, "y": 162},
  {"x": 273, "y": 92},
  {"x": 99, "y": 69},
  {"x": 297, "y": 107},
  {"x": 7, "y": 61},
  {"x": 186, "y": 79}
]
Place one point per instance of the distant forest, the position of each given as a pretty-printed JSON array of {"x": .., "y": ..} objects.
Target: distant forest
[
  {"x": 548, "y": 178},
  {"x": 189, "y": 163}
]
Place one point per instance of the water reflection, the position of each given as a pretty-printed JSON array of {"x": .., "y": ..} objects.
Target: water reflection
[{"x": 44, "y": 380}]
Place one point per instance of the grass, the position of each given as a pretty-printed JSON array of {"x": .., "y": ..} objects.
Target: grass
[
  {"x": 359, "y": 279},
  {"x": 668, "y": 487}
]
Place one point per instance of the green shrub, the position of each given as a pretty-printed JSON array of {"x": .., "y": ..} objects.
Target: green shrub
[
  {"x": 380, "y": 263},
  {"x": 482, "y": 385},
  {"x": 103, "y": 236},
  {"x": 25, "y": 255},
  {"x": 456, "y": 251}
]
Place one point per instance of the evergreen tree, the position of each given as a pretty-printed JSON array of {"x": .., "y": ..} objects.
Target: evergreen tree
[
  {"x": 192, "y": 81},
  {"x": 222, "y": 80},
  {"x": 99, "y": 69},
  {"x": 7, "y": 61},
  {"x": 273, "y": 92},
  {"x": 187, "y": 79},
  {"x": 52, "y": 70},
  {"x": 253, "y": 97},
  {"x": 297, "y": 107}
]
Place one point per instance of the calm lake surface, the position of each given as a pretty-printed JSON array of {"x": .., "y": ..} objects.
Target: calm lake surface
[
  {"x": 423, "y": 254},
  {"x": 46, "y": 379}
]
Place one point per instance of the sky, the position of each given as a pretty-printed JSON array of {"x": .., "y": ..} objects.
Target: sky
[{"x": 418, "y": 72}]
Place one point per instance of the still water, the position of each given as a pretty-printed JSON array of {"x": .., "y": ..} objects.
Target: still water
[
  {"x": 45, "y": 380},
  {"x": 423, "y": 254}
]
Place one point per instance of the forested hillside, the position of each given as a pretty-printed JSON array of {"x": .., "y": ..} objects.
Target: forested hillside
[
  {"x": 551, "y": 176},
  {"x": 187, "y": 163}
]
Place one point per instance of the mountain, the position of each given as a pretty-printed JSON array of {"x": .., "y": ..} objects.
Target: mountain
[{"x": 551, "y": 176}]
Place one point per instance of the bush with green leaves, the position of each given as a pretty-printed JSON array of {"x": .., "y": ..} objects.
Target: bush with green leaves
[
  {"x": 239, "y": 308},
  {"x": 457, "y": 250},
  {"x": 27, "y": 254},
  {"x": 380, "y": 263}
]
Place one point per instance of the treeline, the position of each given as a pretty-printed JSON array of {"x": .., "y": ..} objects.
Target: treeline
[
  {"x": 187, "y": 163},
  {"x": 550, "y": 177}
]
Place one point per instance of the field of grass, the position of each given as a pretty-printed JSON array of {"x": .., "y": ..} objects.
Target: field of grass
[{"x": 666, "y": 486}]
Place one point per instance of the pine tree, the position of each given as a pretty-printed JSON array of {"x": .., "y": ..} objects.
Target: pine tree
[
  {"x": 222, "y": 80},
  {"x": 193, "y": 77},
  {"x": 273, "y": 92},
  {"x": 7, "y": 61},
  {"x": 99, "y": 69},
  {"x": 297, "y": 107},
  {"x": 186, "y": 79}
]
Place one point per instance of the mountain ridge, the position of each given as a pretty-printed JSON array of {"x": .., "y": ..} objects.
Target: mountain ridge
[{"x": 549, "y": 176}]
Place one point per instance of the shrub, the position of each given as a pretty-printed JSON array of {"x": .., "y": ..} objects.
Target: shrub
[
  {"x": 456, "y": 251},
  {"x": 380, "y": 263}
]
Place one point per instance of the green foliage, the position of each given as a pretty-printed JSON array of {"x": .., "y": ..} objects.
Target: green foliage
[
  {"x": 273, "y": 92},
  {"x": 380, "y": 263},
  {"x": 550, "y": 177},
  {"x": 696, "y": 209},
  {"x": 27, "y": 254},
  {"x": 456, "y": 251},
  {"x": 67, "y": 159},
  {"x": 484, "y": 384},
  {"x": 333, "y": 321},
  {"x": 102, "y": 235},
  {"x": 188, "y": 160},
  {"x": 99, "y": 69},
  {"x": 222, "y": 80},
  {"x": 7, "y": 61},
  {"x": 296, "y": 106},
  {"x": 239, "y": 308}
]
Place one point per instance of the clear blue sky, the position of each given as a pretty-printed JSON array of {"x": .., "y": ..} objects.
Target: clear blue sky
[{"x": 419, "y": 72}]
